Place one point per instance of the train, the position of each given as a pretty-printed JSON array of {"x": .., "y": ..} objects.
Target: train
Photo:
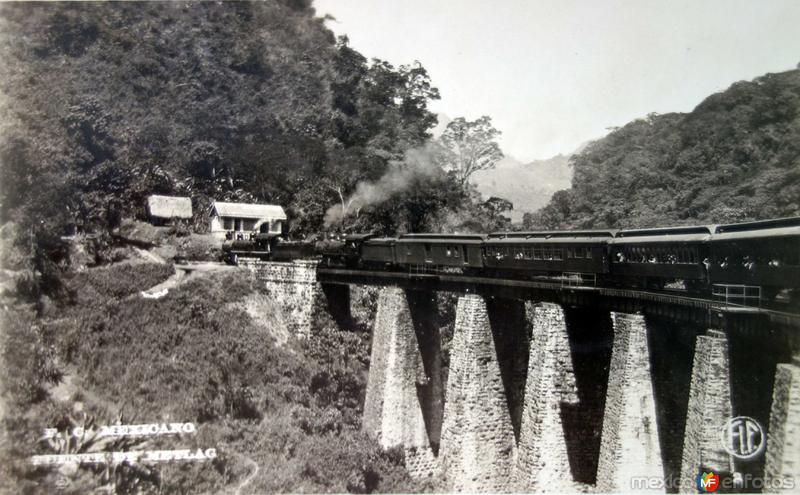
[{"x": 743, "y": 263}]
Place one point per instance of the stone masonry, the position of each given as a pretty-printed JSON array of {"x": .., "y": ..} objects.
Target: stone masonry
[
  {"x": 671, "y": 356},
  {"x": 542, "y": 458},
  {"x": 630, "y": 445},
  {"x": 478, "y": 445},
  {"x": 393, "y": 411},
  {"x": 782, "y": 467},
  {"x": 293, "y": 286},
  {"x": 708, "y": 411},
  {"x": 538, "y": 398},
  {"x": 591, "y": 337}
]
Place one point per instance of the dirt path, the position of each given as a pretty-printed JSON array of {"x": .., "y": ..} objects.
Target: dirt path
[
  {"x": 147, "y": 255},
  {"x": 254, "y": 465},
  {"x": 184, "y": 273}
]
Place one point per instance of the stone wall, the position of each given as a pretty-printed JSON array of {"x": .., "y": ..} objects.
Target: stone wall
[
  {"x": 630, "y": 445},
  {"x": 782, "y": 467},
  {"x": 294, "y": 288}
]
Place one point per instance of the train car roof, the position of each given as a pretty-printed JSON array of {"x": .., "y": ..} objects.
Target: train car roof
[
  {"x": 666, "y": 231},
  {"x": 692, "y": 233},
  {"x": 663, "y": 235},
  {"x": 381, "y": 240},
  {"x": 441, "y": 238},
  {"x": 358, "y": 237},
  {"x": 494, "y": 241},
  {"x": 549, "y": 234},
  {"x": 779, "y": 227}
]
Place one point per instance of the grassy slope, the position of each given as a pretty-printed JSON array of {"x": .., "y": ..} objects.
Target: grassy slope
[{"x": 195, "y": 355}]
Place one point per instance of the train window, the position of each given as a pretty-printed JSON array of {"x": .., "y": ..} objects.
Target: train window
[
  {"x": 570, "y": 253},
  {"x": 537, "y": 253},
  {"x": 528, "y": 253},
  {"x": 455, "y": 251},
  {"x": 558, "y": 255},
  {"x": 464, "y": 248}
]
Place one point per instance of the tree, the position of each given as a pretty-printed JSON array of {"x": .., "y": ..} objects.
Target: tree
[
  {"x": 469, "y": 146},
  {"x": 495, "y": 207}
]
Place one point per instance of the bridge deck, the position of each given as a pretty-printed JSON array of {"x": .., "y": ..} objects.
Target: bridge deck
[{"x": 559, "y": 292}]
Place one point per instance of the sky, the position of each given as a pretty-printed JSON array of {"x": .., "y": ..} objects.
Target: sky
[{"x": 554, "y": 74}]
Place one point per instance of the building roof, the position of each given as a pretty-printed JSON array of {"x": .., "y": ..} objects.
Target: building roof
[
  {"x": 169, "y": 206},
  {"x": 245, "y": 210}
]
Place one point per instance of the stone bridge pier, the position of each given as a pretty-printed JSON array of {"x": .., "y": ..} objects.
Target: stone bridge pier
[
  {"x": 540, "y": 397},
  {"x": 534, "y": 397},
  {"x": 405, "y": 390}
]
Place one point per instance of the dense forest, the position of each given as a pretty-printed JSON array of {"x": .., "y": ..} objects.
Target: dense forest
[
  {"x": 107, "y": 103},
  {"x": 735, "y": 157},
  {"x": 103, "y": 104}
]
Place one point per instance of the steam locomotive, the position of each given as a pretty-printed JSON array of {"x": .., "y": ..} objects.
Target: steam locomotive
[
  {"x": 264, "y": 246},
  {"x": 744, "y": 263}
]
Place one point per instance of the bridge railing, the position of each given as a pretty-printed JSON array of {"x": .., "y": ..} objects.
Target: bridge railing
[
  {"x": 737, "y": 295},
  {"x": 576, "y": 279}
]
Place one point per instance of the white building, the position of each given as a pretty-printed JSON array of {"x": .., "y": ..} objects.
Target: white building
[{"x": 244, "y": 217}]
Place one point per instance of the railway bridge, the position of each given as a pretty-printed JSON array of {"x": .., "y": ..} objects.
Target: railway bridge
[{"x": 547, "y": 387}]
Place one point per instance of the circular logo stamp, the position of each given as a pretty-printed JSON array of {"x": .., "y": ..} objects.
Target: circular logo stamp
[{"x": 743, "y": 438}]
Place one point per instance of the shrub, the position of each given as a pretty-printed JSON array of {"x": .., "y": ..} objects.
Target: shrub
[
  {"x": 198, "y": 247},
  {"x": 29, "y": 350},
  {"x": 116, "y": 281}
]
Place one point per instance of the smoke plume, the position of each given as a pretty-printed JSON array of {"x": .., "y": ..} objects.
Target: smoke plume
[{"x": 418, "y": 163}]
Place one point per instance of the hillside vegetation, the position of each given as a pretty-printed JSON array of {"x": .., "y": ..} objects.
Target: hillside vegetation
[
  {"x": 735, "y": 157},
  {"x": 105, "y": 103},
  {"x": 284, "y": 415}
]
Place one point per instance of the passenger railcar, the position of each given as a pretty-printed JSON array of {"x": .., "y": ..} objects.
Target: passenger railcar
[
  {"x": 457, "y": 253},
  {"x": 755, "y": 259},
  {"x": 574, "y": 256},
  {"x": 654, "y": 257}
]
